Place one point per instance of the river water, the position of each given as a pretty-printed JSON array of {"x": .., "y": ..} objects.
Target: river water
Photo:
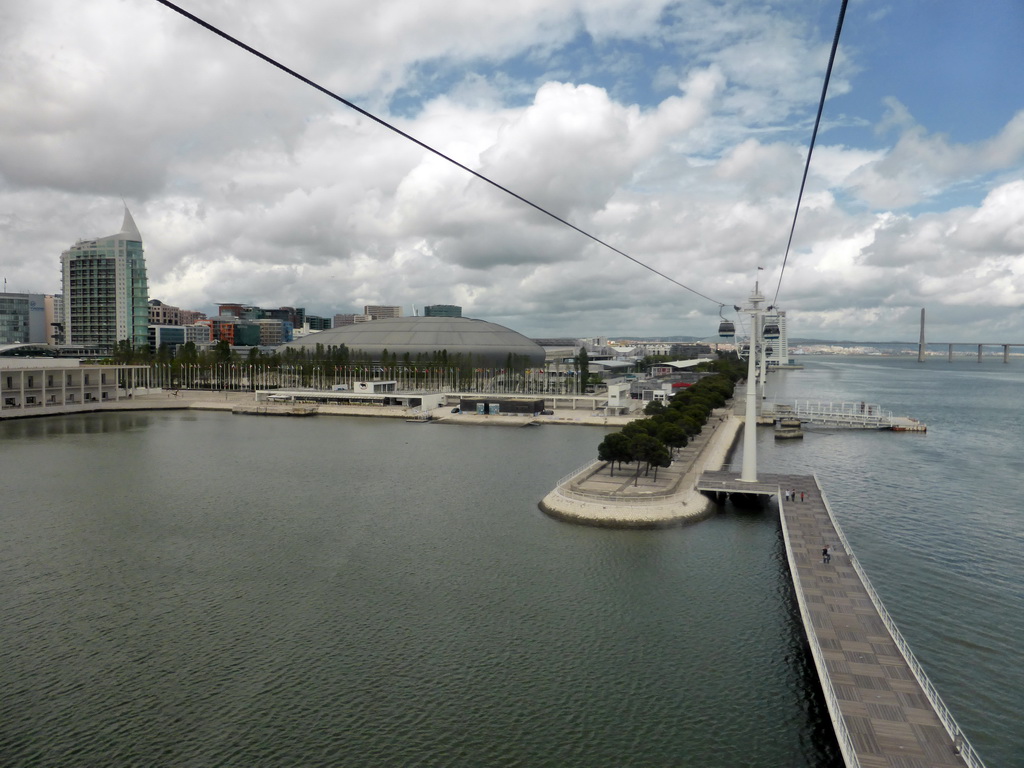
[
  {"x": 188, "y": 589},
  {"x": 935, "y": 519}
]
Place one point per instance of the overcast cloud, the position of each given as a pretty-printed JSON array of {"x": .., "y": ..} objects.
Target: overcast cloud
[{"x": 676, "y": 131}]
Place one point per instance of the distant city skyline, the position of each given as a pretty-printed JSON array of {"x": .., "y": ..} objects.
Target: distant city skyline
[{"x": 673, "y": 129}]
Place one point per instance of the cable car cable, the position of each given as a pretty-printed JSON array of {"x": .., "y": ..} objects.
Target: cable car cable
[
  {"x": 810, "y": 150},
  {"x": 400, "y": 132}
]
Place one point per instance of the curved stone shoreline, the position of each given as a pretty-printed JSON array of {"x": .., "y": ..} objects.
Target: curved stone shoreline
[{"x": 616, "y": 510}]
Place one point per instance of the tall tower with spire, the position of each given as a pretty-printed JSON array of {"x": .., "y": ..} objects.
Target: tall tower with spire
[{"x": 106, "y": 294}]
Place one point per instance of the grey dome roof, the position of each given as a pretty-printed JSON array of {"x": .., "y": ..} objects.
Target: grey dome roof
[{"x": 486, "y": 342}]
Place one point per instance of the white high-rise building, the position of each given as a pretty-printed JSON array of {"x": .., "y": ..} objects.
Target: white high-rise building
[
  {"x": 106, "y": 294},
  {"x": 378, "y": 311},
  {"x": 779, "y": 347},
  {"x": 349, "y": 319}
]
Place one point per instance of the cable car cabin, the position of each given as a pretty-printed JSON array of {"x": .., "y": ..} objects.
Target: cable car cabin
[
  {"x": 726, "y": 329},
  {"x": 770, "y": 331}
]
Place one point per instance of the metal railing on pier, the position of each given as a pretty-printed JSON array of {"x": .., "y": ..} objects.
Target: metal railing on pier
[
  {"x": 637, "y": 500},
  {"x": 931, "y": 692},
  {"x": 563, "y": 488},
  {"x": 858, "y": 415},
  {"x": 586, "y": 467},
  {"x": 846, "y": 743}
]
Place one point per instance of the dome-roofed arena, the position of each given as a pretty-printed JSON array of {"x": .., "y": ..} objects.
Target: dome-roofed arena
[{"x": 478, "y": 340}]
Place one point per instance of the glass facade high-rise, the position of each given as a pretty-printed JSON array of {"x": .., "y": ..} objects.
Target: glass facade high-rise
[
  {"x": 22, "y": 318},
  {"x": 106, "y": 294},
  {"x": 442, "y": 310}
]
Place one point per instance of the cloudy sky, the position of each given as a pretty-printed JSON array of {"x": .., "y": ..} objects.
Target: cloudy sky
[{"x": 675, "y": 131}]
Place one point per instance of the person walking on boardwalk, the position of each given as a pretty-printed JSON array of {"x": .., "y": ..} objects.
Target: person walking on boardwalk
[
  {"x": 787, "y": 495},
  {"x": 828, "y": 554},
  {"x": 824, "y": 554},
  {"x": 801, "y": 495}
]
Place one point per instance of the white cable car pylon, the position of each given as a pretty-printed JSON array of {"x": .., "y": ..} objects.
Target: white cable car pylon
[{"x": 749, "y": 471}]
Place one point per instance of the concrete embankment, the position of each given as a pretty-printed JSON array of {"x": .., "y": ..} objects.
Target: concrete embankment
[
  {"x": 242, "y": 403},
  {"x": 596, "y": 496},
  {"x": 442, "y": 415}
]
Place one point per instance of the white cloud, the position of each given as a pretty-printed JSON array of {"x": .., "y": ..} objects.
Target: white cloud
[
  {"x": 686, "y": 152},
  {"x": 921, "y": 164}
]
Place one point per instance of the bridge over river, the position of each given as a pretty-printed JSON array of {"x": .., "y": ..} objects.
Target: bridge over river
[{"x": 885, "y": 711}]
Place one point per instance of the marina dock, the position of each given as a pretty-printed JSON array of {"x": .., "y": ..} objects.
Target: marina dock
[{"x": 847, "y": 415}]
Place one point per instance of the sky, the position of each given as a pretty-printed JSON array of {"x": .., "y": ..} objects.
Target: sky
[{"x": 676, "y": 132}]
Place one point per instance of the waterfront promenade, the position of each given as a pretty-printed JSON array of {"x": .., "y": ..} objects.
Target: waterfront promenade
[
  {"x": 152, "y": 400},
  {"x": 885, "y": 711},
  {"x": 598, "y": 494},
  {"x": 242, "y": 402}
]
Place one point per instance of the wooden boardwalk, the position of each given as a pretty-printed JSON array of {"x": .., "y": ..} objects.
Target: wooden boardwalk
[{"x": 886, "y": 712}]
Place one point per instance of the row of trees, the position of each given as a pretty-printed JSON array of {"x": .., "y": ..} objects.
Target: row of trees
[
  {"x": 652, "y": 442},
  {"x": 220, "y": 366},
  {"x": 222, "y": 352},
  {"x": 321, "y": 355}
]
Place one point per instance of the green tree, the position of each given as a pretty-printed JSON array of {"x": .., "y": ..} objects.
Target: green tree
[
  {"x": 640, "y": 427},
  {"x": 697, "y": 410},
  {"x": 123, "y": 352},
  {"x": 222, "y": 352},
  {"x": 654, "y": 408},
  {"x": 691, "y": 425},
  {"x": 614, "y": 447},
  {"x": 583, "y": 369},
  {"x": 660, "y": 457},
  {"x": 673, "y": 435},
  {"x": 649, "y": 450},
  {"x": 188, "y": 354}
]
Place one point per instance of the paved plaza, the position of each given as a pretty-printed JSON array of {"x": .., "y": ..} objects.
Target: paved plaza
[{"x": 613, "y": 497}]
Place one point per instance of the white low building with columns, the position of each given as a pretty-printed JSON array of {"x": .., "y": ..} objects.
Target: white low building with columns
[{"x": 32, "y": 385}]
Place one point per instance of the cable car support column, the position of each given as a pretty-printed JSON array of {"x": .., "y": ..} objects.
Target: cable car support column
[{"x": 749, "y": 473}]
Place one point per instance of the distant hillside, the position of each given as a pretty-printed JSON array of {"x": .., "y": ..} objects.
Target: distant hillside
[
  {"x": 670, "y": 339},
  {"x": 793, "y": 341},
  {"x": 847, "y": 343}
]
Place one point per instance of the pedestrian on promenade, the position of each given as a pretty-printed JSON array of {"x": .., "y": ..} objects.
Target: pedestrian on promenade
[
  {"x": 828, "y": 554},
  {"x": 801, "y": 495},
  {"x": 787, "y": 495},
  {"x": 824, "y": 554}
]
